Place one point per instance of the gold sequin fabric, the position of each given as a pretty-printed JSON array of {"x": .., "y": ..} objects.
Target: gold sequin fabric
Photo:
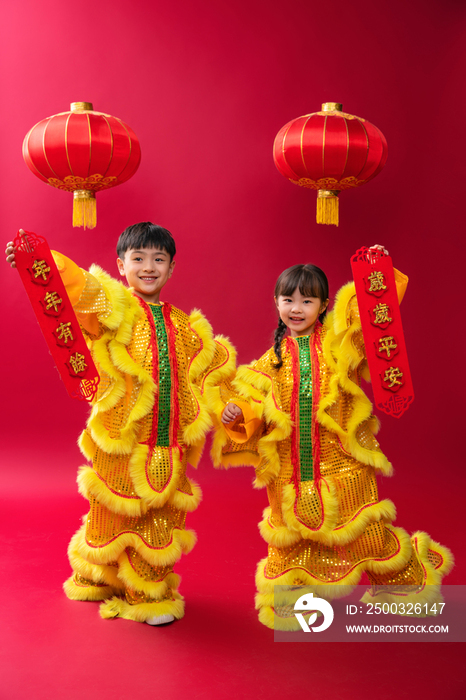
[{"x": 138, "y": 490}]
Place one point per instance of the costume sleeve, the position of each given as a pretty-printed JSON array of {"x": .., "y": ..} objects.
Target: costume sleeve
[
  {"x": 87, "y": 295},
  {"x": 254, "y": 442},
  {"x": 211, "y": 367}
]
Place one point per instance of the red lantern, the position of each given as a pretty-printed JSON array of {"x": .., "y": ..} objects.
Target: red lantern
[
  {"x": 83, "y": 152},
  {"x": 329, "y": 151}
]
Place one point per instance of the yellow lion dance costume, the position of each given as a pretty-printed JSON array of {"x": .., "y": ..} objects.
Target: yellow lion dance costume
[
  {"x": 310, "y": 434},
  {"x": 157, "y": 367}
]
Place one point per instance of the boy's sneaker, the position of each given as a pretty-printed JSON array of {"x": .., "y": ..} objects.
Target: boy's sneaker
[{"x": 160, "y": 619}]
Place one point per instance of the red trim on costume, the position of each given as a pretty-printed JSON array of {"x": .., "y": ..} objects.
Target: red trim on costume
[
  {"x": 295, "y": 479},
  {"x": 93, "y": 585},
  {"x": 130, "y": 532},
  {"x": 218, "y": 366},
  {"x": 132, "y": 566},
  {"x": 201, "y": 347},
  {"x": 294, "y": 568},
  {"x": 312, "y": 529},
  {"x": 366, "y": 505},
  {"x": 185, "y": 492},
  {"x": 175, "y": 404},
  {"x": 134, "y": 498},
  {"x": 152, "y": 441},
  {"x": 258, "y": 371},
  {"x": 175, "y": 407},
  {"x": 316, "y": 348},
  {"x": 149, "y": 457}
]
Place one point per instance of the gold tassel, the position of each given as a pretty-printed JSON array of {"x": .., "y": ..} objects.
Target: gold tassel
[
  {"x": 327, "y": 207},
  {"x": 84, "y": 209}
]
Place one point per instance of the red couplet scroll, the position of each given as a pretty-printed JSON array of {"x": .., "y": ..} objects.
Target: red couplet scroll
[
  {"x": 56, "y": 316},
  {"x": 382, "y": 329}
]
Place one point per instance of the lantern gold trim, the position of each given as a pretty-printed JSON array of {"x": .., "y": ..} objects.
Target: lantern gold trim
[
  {"x": 332, "y": 107},
  {"x": 327, "y": 207},
  {"x": 81, "y": 107},
  {"x": 84, "y": 209}
]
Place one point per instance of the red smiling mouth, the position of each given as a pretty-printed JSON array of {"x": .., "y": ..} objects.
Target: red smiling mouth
[{"x": 296, "y": 318}]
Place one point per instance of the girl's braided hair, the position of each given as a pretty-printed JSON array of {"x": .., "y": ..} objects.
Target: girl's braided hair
[{"x": 311, "y": 282}]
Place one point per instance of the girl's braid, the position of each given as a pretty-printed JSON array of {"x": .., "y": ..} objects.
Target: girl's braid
[{"x": 279, "y": 335}]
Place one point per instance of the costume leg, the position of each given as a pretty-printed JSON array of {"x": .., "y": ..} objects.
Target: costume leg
[
  {"x": 385, "y": 552},
  {"x": 128, "y": 561}
]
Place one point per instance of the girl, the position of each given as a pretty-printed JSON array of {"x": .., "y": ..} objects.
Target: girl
[{"x": 299, "y": 416}]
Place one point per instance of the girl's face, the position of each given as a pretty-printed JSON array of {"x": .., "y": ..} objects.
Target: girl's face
[{"x": 300, "y": 313}]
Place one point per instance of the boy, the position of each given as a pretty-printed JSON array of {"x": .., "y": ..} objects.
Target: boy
[{"x": 158, "y": 374}]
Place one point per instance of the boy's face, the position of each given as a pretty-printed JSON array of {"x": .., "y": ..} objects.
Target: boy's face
[{"x": 147, "y": 270}]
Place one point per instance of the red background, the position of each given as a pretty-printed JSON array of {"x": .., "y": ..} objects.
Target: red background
[{"x": 206, "y": 87}]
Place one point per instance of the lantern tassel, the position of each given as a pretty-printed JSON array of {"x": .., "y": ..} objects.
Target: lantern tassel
[
  {"x": 84, "y": 209},
  {"x": 327, "y": 207}
]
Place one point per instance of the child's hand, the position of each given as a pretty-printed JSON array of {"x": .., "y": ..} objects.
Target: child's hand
[
  {"x": 231, "y": 413},
  {"x": 11, "y": 250},
  {"x": 379, "y": 247},
  {"x": 10, "y": 254}
]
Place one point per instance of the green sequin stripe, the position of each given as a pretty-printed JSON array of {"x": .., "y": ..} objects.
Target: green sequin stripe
[
  {"x": 305, "y": 409},
  {"x": 165, "y": 379}
]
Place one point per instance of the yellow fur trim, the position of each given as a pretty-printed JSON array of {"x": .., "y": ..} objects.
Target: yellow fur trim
[
  {"x": 116, "y": 362},
  {"x": 116, "y": 607},
  {"x": 137, "y": 472},
  {"x": 75, "y": 592},
  {"x": 429, "y": 593},
  {"x": 342, "y": 300},
  {"x": 382, "y": 510},
  {"x": 447, "y": 556},
  {"x": 182, "y": 542},
  {"x": 269, "y": 467},
  {"x": 328, "y": 532},
  {"x": 194, "y": 453},
  {"x": 238, "y": 459},
  {"x": 277, "y": 536},
  {"x": 226, "y": 368},
  {"x": 90, "y": 484},
  {"x": 397, "y": 561},
  {"x": 258, "y": 386},
  {"x": 286, "y": 624},
  {"x": 87, "y": 445},
  {"x": 111, "y": 355},
  {"x": 203, "y": 329},
  {"x": 343, "y": 358},
  {"x": 185, "y": 501},
  {"x": 194, "y": 433},
  {"x": 118, "y": 294},
  {"x": 221, "y": 437},
  {"x": 345, "y": 585},
  {"x": 154, "y": 589},
  {"x": 339, "y": 589},
  {"x": 99, "y": 573},
  {"x": 282, "y": 596},
  {"x": 329, "y": 512}
]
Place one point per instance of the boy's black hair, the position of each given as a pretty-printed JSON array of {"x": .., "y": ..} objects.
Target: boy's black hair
[{"x": 146, "y": 235}]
